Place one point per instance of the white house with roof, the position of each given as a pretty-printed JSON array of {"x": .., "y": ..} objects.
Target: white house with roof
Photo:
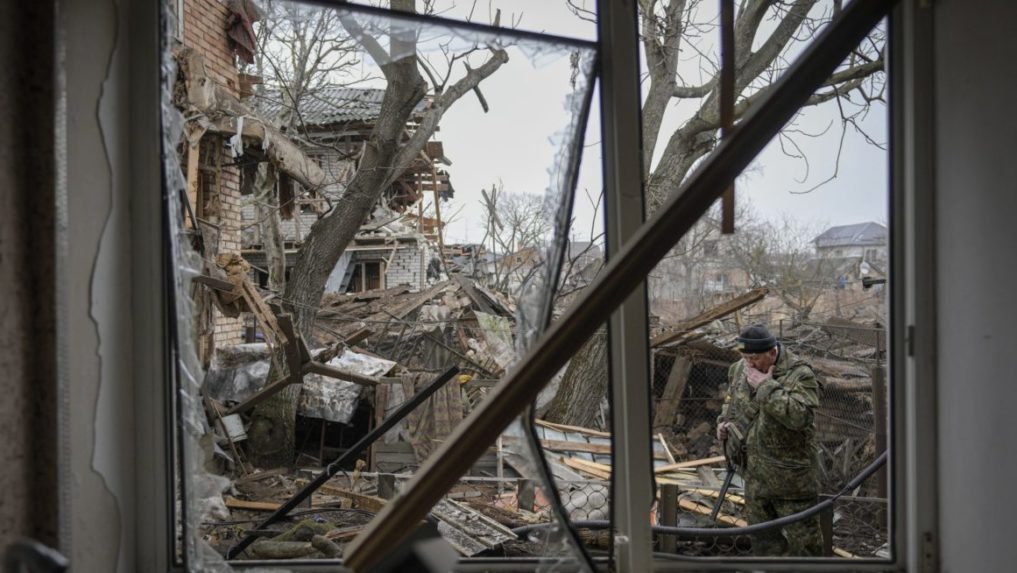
[{"x": 867, "y": 241}]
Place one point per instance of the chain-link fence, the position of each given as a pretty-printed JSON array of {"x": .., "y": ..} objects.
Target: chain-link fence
[{"x": 690, "y": 381}]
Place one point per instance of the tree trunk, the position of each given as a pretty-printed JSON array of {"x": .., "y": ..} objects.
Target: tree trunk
[
  {"x": 270, "y": 227},
  {"x": 272, "y": 435},
  {"x": 583, "y": 387}
]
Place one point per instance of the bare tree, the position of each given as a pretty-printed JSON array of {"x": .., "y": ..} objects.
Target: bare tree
[
  {"x": 781, "y": 256},
  {"x": 517, "y": 231},
  {"x": 388, "y": 152},
  {"x": 768, "y": 33}
]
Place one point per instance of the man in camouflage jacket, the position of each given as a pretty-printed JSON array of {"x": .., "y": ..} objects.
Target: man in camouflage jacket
[{"x": 767, "y": 427}]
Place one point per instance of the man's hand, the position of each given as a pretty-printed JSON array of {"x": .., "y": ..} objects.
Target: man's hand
[
  {"x": 755, "y": 377},
  {"x": 722, "y": 430}
]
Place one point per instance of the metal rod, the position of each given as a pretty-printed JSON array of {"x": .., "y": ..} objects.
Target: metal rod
[
  {"x": 727, "y": 101},
  {"x": 619, "y": 278},
  {"x": 350, "y": 454},
  {"x": 669, "y": 516}
]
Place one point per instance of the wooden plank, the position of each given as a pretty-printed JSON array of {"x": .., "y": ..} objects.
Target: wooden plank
[
  {"x": 261, "y": 475},
  {"x": 667, "y": 408},
  {"x": 858, "y": 333},
  {"x": 565, "y": 428},
  {"x": 696, "y": 507},
  {"x": 600, "y": 471},
  {"x": 235, "y": 503},
  {"x": 733, "y": 498},
  {"x": 667, "y": 450},
  {"x": 689, "y": 464},
  {"x": 193, "y": 160},
  {"x": 709, "y": 315},
  {"x": 368, "y": 502},
  {"x": 265, "y": 393},
  {"x": 344, "y": 533},
  {"x": 339, "y": 373},
  {"x": 261, "y": 311},
  {"x": 569, "y": 446}
]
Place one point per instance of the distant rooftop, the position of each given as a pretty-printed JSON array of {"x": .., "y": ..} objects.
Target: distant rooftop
[
  {"x": 852, "y": 235},
  {"x": 335, "y": 104}
]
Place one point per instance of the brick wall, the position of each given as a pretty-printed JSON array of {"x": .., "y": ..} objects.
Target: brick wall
[
  {"x": 205, "y": 30},
  {"x": 406, "y": 266}
]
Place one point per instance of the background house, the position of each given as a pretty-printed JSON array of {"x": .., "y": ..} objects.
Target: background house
[
  {"x": 867, "y": 241},
  {"x": 399, "y": 244}
]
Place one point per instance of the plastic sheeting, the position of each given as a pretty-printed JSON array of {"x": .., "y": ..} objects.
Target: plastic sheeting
[{"x": 239, "y": 372}]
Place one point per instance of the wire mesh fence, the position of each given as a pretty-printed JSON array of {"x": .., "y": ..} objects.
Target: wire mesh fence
[{"x": 690, "y": 381}]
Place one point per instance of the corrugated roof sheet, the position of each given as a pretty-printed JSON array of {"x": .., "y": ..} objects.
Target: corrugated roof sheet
[
  {"x": 335, "y": 104},
  {"x": 858, "y": 234}
]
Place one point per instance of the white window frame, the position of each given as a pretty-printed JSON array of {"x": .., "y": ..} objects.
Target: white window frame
[{"x": 912, "y": 336}]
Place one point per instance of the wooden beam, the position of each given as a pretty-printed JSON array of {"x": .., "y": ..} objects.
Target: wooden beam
[
  {"x": 707, "y": 316},
  {"x": 667, "y": 450},
  {"x": 261, "y": 311},
  {"x": 600, "y": 471},
  {"x": 282, "y": 152},
  {"x": 689, "y": 464},
  {"x": 193, "y": 161},
  {"x": 569, "y": 446},
  {"x": 695, "y": 507},
  {"x": 260, "y": 396},
  {"x": 339, "y": 373},
  {"x": 215, "y": 283},
  {"x": 667, "y": 408},
  {"x": 577, "y": 429},
  {"x": 213, "y": 100}
]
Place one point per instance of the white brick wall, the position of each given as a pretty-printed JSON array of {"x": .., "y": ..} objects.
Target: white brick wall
[{"x": 408, "y": 266}]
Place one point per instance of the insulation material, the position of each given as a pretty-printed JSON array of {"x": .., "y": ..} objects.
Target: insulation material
[
  {"x": 498, "y": 338},
  {"x": 239, "y": 372},
  {"x": 336, "y": 400}
]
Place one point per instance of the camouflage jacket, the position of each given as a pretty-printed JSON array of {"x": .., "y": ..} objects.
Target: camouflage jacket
[{"x": 776, "y": 421}]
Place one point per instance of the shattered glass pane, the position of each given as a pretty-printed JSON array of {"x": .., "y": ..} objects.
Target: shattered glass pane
[
  {"x": 357, "y": 202},
  {"x": 807, "y": 263}
]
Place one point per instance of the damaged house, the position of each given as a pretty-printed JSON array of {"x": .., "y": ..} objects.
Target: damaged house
[{"x": 399, "y": 245}]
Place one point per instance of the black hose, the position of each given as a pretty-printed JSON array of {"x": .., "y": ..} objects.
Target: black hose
[{"x": 710, "y": 532}]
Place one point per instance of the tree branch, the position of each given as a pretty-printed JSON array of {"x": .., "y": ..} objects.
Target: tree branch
[{"x": 438, "y": 107}]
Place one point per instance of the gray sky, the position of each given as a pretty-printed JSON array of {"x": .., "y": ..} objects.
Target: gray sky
[{"x": 511, "y": 144}]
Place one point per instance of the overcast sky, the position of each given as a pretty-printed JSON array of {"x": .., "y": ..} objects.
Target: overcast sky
[{"x": 513, "y": 143}]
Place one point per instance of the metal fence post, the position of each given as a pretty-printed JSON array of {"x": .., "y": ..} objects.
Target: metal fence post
[
  {"x": 826, "y": 525},
  {"x": 669, "y": 516}
]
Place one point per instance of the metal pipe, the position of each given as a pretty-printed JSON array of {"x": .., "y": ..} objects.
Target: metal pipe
[{"x": 619, "y": 278}]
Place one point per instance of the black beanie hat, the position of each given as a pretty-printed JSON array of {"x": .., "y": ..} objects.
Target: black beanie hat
[{"x": 756, "y": 339}]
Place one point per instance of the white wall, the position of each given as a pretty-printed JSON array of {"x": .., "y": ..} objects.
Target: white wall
[
  {"x": 97, "y": 320},
  {"x": 976, "y": 202}
]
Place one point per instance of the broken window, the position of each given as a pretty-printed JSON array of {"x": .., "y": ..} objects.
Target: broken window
[
  {"x": 436, "y": 258},
  {"x": 367, "y": 276},
  {"x": 824, "y": 175},
  {"x": 358, "y": 263}
]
